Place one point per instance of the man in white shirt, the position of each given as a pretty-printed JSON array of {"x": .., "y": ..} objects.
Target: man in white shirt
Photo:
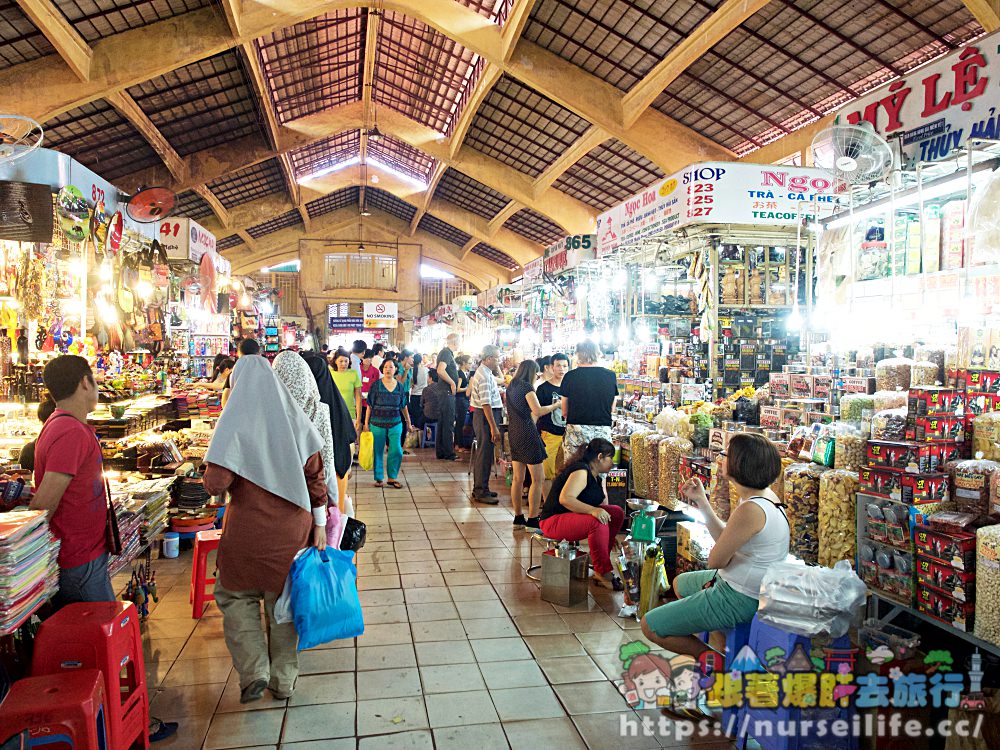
[{"x": 487, "y": 413}]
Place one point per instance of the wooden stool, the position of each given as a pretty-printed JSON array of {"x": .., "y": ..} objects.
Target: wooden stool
[{"x": 204, "y": 543}]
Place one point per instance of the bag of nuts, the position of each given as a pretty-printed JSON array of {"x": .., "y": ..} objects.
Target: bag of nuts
[
  {"x": 640, "y": 462},
  {"x": 851, "y": 447},
  {"x": 973, "y": 483},
  {"x": 986, "y": 435},
  {"x": 719, "y": 496},
  {"x": 987, "y": 624},
  {"x": 853, "y": 405},
  {"x": 923, "y": 373},
  {"x": 671, "y": 450},
  {"x": 802, "y": 507},
  {"x": 838, "y": 490},
  {"x": 893, "y": 374}
]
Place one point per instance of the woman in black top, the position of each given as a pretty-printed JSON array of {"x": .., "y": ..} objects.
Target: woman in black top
[
  {"x": 577, "y": 507},
  {"x": 463, "y": 361},
  {"x": 527, "y": 451}
]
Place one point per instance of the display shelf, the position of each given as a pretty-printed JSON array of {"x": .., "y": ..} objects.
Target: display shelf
[{"x": 875, "y": 598}]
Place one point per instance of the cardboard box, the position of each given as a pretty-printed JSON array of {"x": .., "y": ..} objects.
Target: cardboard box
[
  {"x": 937, "y": 429},
  {"x": 859, "y": 385},
  {"x": 880, "y": 482},
  {"x": 954, "y": 548},
  {"x": 952, "y": 239},
  {"x": 801, "y": 386},
  {"x": 923, "y": 488},
  {"x": 929, "y": 400},
  {"x": 770, "y": 416},
  {"x": 979, "y": 351},
  {"x": 982, "y": 381},
  {"x": 913, "y": 457},
  {"x": 822, "y": 386},
  {"x": 958, "y": 584},
  {"x": 942, "y": 607},
  {"x": 780, "y": 385}
]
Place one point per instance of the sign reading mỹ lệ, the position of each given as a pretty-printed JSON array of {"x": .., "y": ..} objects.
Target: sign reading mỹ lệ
[
  {"x": 717, "y": 193},
  {"x": 939, "y": 106},
  {"x": 381, "y": 314}
]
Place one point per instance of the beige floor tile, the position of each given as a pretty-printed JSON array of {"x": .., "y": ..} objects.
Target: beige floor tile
[
  {"x": 605, "y": 641},
  {"x": 199, "y": 671},
  {"x": 414, "y": 555},
  {"x": 427, "y": 595},
  {"x": 381, "y": 598},
  {"x": 203, "y": 648},
  {"x": 589, "y": 622},
  {"x": 475, "y": 736},
  {"x": 541, "y": 625},
  {"x": 385, "y": 634},
  {"x": 367, "y": 582},
  {"x": 386, "y": 657},
  {"x": 464, "y": 553},
  {"x": 499, "y": 649},
  {"x": 468, "y": 579},
  {"x": 327, "y": 660},
  {"x": 431, "y": 611},
  {"x": 482, "y": 592},
  {"x": 503, "y": 675},
  {"x": 230, "y": 702},
  {"x": 490, "y": 627},
  {"x": 526, "y": 703},
  {"x": 472, "y": 610},
  {"x": 590, "y": 697},
  {"x": 390, "y": 715},
  {"x": 459, "y": 566},
  {"x": 311, "y": 690},
  {"x": 437, "y": 630},
  {"x": 531, "y": 606},
  {"x": 610, "y": 664},
  {"x": 389, "y": 683},
  {"x": 244, "y": 729},
  {"x": 190, "y": 735},
  {"x": 346, "y": 743},
  {"x": 460, "y": 709},
  {"x": 548, "y": 646},
  {"x": 604, "y": 731},
  {"x": 330, "y": 721},
  {"x": 382, "y": 615},
  {"x": 544, "y": 733},
  {"x": 186, "y": 700},
  {"x": 563, "y": 669},
  {"x": 162, "y": 628},
  {"x": 421, "y": 580},
  {"x": 165, "y": 649},
  {"x": 418, "y": 740},
  {"x": 436, "y": 653},
  {"x": 451, "y": 678}
]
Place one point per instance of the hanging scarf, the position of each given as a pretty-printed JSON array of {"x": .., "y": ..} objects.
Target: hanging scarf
[
  {"x": 263, "y": 435},
  {"x": 295, "y": 375},
  {"x": 340, "y": 418}
]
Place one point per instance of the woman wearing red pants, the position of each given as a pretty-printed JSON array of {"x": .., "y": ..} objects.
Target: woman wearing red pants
[{"x": 577, "y": 508}]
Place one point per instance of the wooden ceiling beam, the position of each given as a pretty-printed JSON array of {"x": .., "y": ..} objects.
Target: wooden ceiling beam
[
  {"x": 248, "y": 240},
  {"x": 66, "y": 40},
  {"x": 497, "y": 222},
  {"x": 513, "y": 27},
  {"x": 428, "y": 196},
  {"x": 234, "y": 16},
  {"x": 987, "y": 12},
  {"x": 467, "y": 248},
  {"x": 487, "y": 80},
  {"x": 128, "y": 108},
  {"x": 716, "y": 27},
  {"x": 220, "y": 211},
  {"x": 591, "y": 139}
]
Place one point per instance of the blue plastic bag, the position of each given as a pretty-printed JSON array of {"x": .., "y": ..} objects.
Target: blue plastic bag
[{"x": 325, "y": 599}]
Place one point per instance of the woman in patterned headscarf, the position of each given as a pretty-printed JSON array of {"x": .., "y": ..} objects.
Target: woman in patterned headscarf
[{"x": 295, "y": 375}]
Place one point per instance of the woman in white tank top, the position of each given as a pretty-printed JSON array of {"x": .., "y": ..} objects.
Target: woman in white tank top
[{"x": 755, "y": 537}]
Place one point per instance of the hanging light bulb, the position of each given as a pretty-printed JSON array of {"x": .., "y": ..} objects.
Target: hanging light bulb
[{"x": 375, "y": 135}]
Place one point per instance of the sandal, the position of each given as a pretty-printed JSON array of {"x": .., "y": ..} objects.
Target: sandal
[
  {"x": 379, "y": 484},
  {"x": 394, "y": 484}
]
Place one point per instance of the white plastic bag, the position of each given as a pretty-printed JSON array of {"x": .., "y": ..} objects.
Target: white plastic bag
[
  {"x": 811, "y": 601},
  {"x": 283, "y": 606}
]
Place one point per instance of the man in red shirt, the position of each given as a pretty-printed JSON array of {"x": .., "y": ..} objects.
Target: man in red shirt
[{"x": 70, "y": 485}]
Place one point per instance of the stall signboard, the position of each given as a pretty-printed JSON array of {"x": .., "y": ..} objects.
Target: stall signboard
[
  {"x": 569, "y": 253},
  {"x": 25, "y": 212},
  {"x": 346, "y": 323},
  {"x": 465, "y": 302},
  {"x": 491, "y": 296},
  {"x": 381, "y": 314},
  {"x": 717, "y": 193},
  {"x": 936, "y": 108},
  {"x": 533, "y": 271}
]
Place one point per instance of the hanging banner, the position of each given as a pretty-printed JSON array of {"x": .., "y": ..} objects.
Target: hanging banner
[
  {"x": 381, "y": 314},
  {"x": 939, "y": 106},
  {"x": 465, "y": 302},
  {"x": 717, "y": 193},
  {"x": 569, "y": 253},
  {"x": 533, "y": 271}
]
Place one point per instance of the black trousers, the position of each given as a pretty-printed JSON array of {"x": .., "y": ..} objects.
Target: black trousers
[
  {"x": 445, "y": 443},
  {"x": 482, "y": 460}
]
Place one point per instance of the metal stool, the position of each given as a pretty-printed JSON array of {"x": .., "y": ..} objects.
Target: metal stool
[
  {"x": 547, "y": 544},
  {"x": 472, "y": 454}
]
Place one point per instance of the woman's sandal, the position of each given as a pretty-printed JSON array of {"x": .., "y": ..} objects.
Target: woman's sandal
[
  {"x": 394, "y": 484},
  {"x": 379, "y": 484}
]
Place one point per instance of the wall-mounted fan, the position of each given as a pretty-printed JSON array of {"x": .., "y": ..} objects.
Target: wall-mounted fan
[
  {"x": 855, "y": 154},
  {"x": 19, "y": 136},
  {"x": 151, "y": 204}
]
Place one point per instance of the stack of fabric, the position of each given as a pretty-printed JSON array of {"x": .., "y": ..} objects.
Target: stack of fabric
[
  {"x": 29, "y": 572},
  {"x": 128, "y": 528},
  {"x": 198, "y": 404},
  {"x": 150, "y": 498}
]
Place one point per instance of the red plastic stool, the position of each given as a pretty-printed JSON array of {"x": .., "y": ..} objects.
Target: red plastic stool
[
  {"x": 204, "y": 542},
  {"x": 58, "y": 711},
  {"x": 104, "y": 636}
]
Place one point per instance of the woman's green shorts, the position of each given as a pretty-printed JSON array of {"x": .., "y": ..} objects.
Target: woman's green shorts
[{"x": 717, "y": 608}]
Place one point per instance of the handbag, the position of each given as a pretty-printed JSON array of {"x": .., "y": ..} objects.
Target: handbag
[
  {"x": 354, "y": 536},
  {"x": 112, "y": 532},
  {"x": 366, "y": 451}
]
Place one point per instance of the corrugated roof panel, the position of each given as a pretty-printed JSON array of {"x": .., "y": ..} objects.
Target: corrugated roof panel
[
  {"x": 328, "y": 203},
  {"x": 249, "y": 184},
  {"x": 20, "y": 40},
  {"x": 465, "y": 192},
  {"x": 390, "y": 204},
  {"x": 286, "y": 220},
  {"x": 608, "y": 175},
  {"x": 497, "y": 256},
  {"x": 445, "y": 231},
  {"x": 535, "y": 227},
  {"x": 96, "y": 19}
]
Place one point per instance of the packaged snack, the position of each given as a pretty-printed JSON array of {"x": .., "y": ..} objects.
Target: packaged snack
[
  {"x": 671, "y": 450},
  {"x": 889, "y": 425},
  {"x": 837, "y": 504},
  {"x": 852, "y": 406},
  {"x": 937, "y": 429},
  {"x": 986, "y": 435},
  {"x": 823, "y": 447},
  {"x": 940, "y": 606},
  {"x": 988, "y": 583},
  {"x": 957, "y": 549},
  {"x": 923, "y": 373},
  {"x": 801, "y": 385},
  {"x": 958, "y": 584},
  {"x": 923, "y": 488},
  {"x": 802, "y": 506},
  {"x": 935, "y": 401},
  {"x": 950, "y": 520},
  {"x": 860, "y": 385},
  {"x": 893, "y": 374},
  {"x": 883, "y": 400},
  {"x": 971, "y": 490},
  {"x": 780, "y": 385},
  {"x": 850, "y": 447},
  {"x": 880, "y": 482},
  {"x": 641, "y": 462}
]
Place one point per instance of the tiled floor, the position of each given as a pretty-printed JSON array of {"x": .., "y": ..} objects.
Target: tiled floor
[{"x": 459, "y": 650}]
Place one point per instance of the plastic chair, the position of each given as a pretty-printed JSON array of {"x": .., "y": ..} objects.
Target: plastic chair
[
  {"x": 103, "y": 636},
  {"x": 204, "y": 543},
  {"x": 58, "y": 711}
]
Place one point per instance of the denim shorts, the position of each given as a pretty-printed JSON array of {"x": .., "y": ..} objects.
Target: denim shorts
[
  {"x": 89, "y": 582},
  {"x": 717, "y": 608}
]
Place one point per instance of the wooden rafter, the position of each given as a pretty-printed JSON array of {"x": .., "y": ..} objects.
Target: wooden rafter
[
  {"x": 220, "y": 211},
  {"x": 513, "y": 27},
  {"x": 468, "y": 247},
  {"x": 66, "y": 40},
  {"x": 234, "y": 15},
  {"x": 497, "y": 222},
  {"x": 706, "y": 35},
  {"x": 248, "y": 240},
  {"x": 130, "y": 110},
  {"x": 487, "y": 80}
]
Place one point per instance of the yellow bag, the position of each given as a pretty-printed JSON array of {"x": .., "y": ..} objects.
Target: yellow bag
[{"x": 366, "y": 451}]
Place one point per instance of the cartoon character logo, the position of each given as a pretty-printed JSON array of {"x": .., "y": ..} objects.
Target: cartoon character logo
[{"x": 651, "y": 681}]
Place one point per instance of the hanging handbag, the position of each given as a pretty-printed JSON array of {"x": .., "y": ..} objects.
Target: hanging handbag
[
  {"x": 354, "y": 536},
  {"x": 112, "y": 532}
]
